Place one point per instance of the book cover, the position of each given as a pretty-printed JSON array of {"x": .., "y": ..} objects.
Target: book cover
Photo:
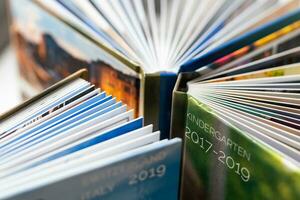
[
  {"x": 222, "y": 162},
  {"x": 151, "y": 172}
]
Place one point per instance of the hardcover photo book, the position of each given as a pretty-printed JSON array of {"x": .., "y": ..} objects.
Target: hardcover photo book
[
  {"x": 221, "y": 76},
  {"x": 242, "y": 133},
  {"x": 73, "y": 141}
]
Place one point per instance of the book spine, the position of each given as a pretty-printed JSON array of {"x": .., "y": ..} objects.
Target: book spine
[
  {"x": 157, "y": 101},
  {"x": 178, "y": 117},
  {"x": 167, "y": 83},
  {"x": 151, "y": 100},
  {"x": 179, "y": 104}
]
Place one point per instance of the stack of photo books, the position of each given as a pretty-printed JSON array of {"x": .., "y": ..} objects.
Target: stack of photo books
[
  {"x": 135, "y": 49},
  {"x": 222, "y": 75},
  {"x": 75, "y": 142},
  {"x": 242, "y": 130}
]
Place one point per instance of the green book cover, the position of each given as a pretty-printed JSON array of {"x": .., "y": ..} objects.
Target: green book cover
[{"x": 223, "y": 162}]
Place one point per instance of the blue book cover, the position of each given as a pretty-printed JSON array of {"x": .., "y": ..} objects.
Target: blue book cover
[{"x": 149, "y": 172}]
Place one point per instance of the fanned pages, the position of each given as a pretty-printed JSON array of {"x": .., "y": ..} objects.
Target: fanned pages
[{"x": 164, "y": 35}]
